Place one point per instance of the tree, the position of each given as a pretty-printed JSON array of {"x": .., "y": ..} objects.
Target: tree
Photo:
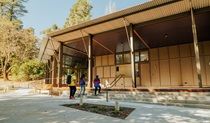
[
  {"x": 13, "y": 9},
  {"x": 80, "y": 12},
  {"x": 16, "y": 44},
  {"x": 49, "y": 30},
  {"x": 29, "y": 70}
]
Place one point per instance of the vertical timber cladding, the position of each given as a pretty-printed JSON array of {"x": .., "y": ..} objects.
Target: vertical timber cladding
[
  {"x": 164, "y": 67},
  {"x": 105, "y": 68},
  {"x": 206, "y": 48},
  {"x": 175, "y": 70},
  {"x": 154, "y": 66},
  {"x": 145, "y": 75},
  {"x": 186, "y": 65},
  {"x": 175, "y": 65},
  {"x": 203, "y": 71}
]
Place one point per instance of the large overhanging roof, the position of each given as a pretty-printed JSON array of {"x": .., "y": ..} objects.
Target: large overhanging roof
[{"x": 137, "y": 15}]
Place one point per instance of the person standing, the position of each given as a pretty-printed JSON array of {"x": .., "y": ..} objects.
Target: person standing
[
  {"x": 72, "y": 86},
  {"x": 82, "y": 85},
  {"x": 97, "y": 85}
]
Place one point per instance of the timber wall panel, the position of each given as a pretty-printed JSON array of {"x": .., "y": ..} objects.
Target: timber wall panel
[
  {"x": 164, "y": 73},
  {"x": 145, "y": 75},
  {"x": 128, "y": 82},
  {"x": 207, "y": 66},
  {"x": 163, "y": 53},
  {"x": 185, "y": 50},
  {"x": 99, "y": 71},
  {"x": 111, "y": 59},
  {"x": 154, "y": 54},
  {"x": 187, "y": 71},
  {"x": 107, "y": 71},
  {"x": 113, "y": 71},
  {"x": 203, "y": 73},
  {"x": 155, "y": 76},
  {"x": 175, "y": 72},
  {"x": 206, "y": 47},
  {"x": 173, "y": 52},
  {"x": 120, "y": 83},
  {"x": 125, "y": 69},
  {"x": 104, "y": 60},
  {"x": 98, "y": 61}
]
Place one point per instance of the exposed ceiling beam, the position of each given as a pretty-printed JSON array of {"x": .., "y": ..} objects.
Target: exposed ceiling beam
[
  {"x": 103, "y": 46},
  {"x": 71, "y": 48},
  {"x": 141, "y": 39}
]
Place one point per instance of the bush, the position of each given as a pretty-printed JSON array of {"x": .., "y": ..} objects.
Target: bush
[{"x": 29, "y": 70}]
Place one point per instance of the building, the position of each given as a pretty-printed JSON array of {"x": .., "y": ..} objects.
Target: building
[{"x": 161, "y": 43}]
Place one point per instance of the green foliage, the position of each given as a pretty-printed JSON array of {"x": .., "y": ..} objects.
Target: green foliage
[
  {"x": 13, "y": 9},
  {"x": 102, "y": 108},
  {"x": 16, "y": 44},
  {"x": 49, "y": 30},
  {"x": 29, "y": 70},
  {"x": 80, "y": 12}
]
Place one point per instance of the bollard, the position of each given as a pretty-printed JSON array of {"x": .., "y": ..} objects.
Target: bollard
[
  {"x": 81, "y": 100},
  {"x": 117, "y": 106}
]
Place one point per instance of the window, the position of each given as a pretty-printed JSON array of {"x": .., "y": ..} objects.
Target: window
[
  {"x": 119, "y": 58},
  {"x": 144, "y": 56},
  {"x": 136, "y": 56},
  {"x": 127, "y": 58}
]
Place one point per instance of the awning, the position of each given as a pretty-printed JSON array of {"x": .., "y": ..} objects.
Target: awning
[{"x": 137, "y": 15}]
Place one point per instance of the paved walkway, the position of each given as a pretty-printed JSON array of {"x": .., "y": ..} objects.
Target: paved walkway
[{"x": 21, "y": 107}]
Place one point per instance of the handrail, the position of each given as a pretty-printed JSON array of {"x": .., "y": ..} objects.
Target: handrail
[{"x": 114, "y": 82}]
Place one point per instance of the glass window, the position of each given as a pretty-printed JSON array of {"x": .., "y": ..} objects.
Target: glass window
[
  {"x": 119, "y": 59},
  {"x": 136, "y": 56},
  {"x": 127, "y": 58},
  {"x": 144, "y": 56}
]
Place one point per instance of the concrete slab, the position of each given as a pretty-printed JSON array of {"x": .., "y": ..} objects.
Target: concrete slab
[{"x": 22, "y": 107}]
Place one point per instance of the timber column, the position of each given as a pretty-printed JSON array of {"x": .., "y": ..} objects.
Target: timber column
[
  {"x": 54, "y": 71},
  {"x": 198, "y": 65},
  {"x": 90, "y": 58},
  {"x": 60, "y": 65},
  {"x": 133, "y": 67}
]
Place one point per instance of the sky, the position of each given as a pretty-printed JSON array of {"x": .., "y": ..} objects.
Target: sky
[{"x": 42, "y": 14}]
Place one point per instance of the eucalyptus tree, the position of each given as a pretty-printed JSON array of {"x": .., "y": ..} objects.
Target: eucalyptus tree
[
  {"x": 80, "y": 12},
  {"x": 13, "y": 9},
  {"x": 49, "y": 30},
  {"x": 16, "y": 44}
]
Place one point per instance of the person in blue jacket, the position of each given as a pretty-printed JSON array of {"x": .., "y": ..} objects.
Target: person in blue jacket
[
  {"x": 82, "y": 85},
  {"x": 97, "y": 85}
]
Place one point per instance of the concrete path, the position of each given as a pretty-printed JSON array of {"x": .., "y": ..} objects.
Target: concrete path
[{"x": 21, "y": 107}]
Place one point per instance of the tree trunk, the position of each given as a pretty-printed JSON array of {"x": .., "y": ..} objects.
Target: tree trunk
[{"x": 5, "y": 74}]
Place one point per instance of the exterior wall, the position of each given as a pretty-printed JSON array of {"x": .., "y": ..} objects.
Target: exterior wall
[
  {"x": 105, "y": 68},
  {"x": 175, "y": 65},
  {"x": 168, "y": 66}
]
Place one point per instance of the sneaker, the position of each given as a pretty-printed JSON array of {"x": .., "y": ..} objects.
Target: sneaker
[{"x": 71, "y": 97}]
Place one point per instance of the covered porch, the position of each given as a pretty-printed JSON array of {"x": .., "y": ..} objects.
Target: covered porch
[{"x": 156, "y": 44}]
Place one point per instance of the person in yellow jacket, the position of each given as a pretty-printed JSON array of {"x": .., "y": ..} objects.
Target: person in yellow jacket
[{"x": 72, "y": 86}]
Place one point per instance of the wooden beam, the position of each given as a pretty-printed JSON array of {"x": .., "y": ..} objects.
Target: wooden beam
[
  {"x": 103, "y": 46},
  {"x": 71, "y": 48},
  {"x": 141, "y": 39}
]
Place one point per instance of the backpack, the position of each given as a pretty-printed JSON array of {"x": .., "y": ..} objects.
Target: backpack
[
  {"x": 82, "y": 81},
  {"x": 68, "y": 79}
]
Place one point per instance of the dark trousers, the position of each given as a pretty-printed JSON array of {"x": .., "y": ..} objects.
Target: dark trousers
[
  {"x": 98, "y": 88},
  {"x": 72, "y": 90}
]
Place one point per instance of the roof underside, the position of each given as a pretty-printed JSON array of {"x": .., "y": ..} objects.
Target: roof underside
[{"x": 159, "y": 23}]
